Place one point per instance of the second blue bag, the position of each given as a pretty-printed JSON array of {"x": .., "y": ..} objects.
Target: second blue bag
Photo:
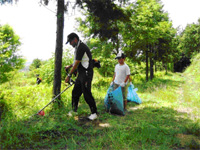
[{"x": 132, "y": 95}]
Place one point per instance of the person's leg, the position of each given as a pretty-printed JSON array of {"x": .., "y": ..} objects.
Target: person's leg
[
  {"x": 86, "y": 88},
  {"x": 86, "y": 81},
  {"x": 124, "y": 92},
  {"x": 76, "y": 93}
]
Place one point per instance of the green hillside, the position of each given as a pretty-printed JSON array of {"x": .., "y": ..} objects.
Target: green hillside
[{"x": 168, "y": 118}]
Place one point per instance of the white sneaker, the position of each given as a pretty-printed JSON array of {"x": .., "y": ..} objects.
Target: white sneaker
[
  {"x": 93, "y": 116},
  {"x": 72, "y": 113}
]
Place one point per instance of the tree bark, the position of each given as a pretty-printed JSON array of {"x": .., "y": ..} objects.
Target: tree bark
[
  {"x": 59, "y": 49},
  {"x": 151, "y": 63},
  {"x": 166, "y": 66},
  {"x": 147, "y": 65}
]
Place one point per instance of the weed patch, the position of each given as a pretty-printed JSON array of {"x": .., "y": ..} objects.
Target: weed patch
[{"x": 167, "y": 118}]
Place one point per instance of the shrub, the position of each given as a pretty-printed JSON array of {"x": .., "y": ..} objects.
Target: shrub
[
  {"x": 46, "y": 70},
  {"x": 107, "y": 66}
]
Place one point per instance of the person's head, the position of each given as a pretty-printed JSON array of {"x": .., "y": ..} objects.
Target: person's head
[
  {"x": 120, "y": 57},
  {"x": 73, "y": 39}
]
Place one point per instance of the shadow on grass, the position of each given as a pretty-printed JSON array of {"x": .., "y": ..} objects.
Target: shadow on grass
[
  {"x": 165, "y": 127},
  {"x": 141, "y": 127}
]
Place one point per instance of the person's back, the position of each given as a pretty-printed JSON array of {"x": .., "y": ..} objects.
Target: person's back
[{"x": 84, "y": 54}]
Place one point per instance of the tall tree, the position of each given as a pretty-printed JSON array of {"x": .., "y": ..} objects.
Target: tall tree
[
  {"x": 102, "y": 18},
  {"x": 148, "y": 25},
  {"x": 35, "y": 64},
  {"x": 9, "y": 59},
  {"x": 188, "y": 44},
  {"x": 59, "y": 42},
  {"x": 190, "y": 39},
  {"x": 59, "y": 48}
]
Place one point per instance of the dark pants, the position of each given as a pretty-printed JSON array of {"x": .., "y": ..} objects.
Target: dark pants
[{"x": 83, "y": 85}]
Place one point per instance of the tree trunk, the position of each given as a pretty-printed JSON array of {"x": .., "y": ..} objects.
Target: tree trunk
[
  {"x": 59, "y": 49},
  {"x": 147, "y": 66},
  {"x": 166, "y": 66},
  {"x": 151, "y": 68},
  {"x": 151, "y": 63}
]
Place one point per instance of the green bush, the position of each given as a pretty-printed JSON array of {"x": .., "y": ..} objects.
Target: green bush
[
  {"x": 46, "y": 70},
  {"x": 107, "y": 66},
  {"x": 3, "y": 107}
]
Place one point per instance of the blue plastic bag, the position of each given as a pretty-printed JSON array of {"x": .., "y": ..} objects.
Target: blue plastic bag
[
  {"x": 132, "y": 95},
  {"x": 114, "y": 101},
  {"x": 106, "y": 104}
]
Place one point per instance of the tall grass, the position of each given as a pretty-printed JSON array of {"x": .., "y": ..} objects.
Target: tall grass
[
  {"x": 168, "y": 118},
  {"x": 191, "y": 92}
]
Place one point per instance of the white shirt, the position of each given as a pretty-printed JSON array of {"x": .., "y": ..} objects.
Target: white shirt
[
  {"x": 121, "y": 71},
  {"x": 85, "y": 61}
]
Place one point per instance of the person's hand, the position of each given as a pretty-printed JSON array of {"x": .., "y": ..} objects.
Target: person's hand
[
  {"x": 67, "y": 68},
  {"x": 111, "y": 84},
  {"x": 123, "y": 84}
]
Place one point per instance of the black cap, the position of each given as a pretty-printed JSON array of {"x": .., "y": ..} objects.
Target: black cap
[{"x": 71, "y": 36}]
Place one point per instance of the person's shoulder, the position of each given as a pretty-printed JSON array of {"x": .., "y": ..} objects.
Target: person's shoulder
[
  {"x": 117, "y": 65},
  {"x": 83, "y": 45},
  {"x": 126, "y": 65},
  {"x": 83, "y": 48}
]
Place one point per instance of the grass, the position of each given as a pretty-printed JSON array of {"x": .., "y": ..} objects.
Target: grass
[{"x": 167, "y": 119}]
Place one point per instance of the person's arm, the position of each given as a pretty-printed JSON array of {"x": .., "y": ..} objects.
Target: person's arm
[
  {"x": 123, "y": 84},
  {"x": 113, "y": 78},
  {"x": 75, "y": 66},
  {"x": 126, "y": 79},
  {"x": 67, "y": 67}
]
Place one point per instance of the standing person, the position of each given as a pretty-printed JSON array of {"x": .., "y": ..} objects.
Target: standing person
[
  {"x": 83, "y": 64},
  {"x": 121, "y": 76},
  {"x": 38, "y": 79}
]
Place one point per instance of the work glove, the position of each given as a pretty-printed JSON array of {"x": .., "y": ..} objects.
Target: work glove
[
  {"x": 123, "y": 84},
  {"x": 67, "y": 69},
  {"x": 131, "y": 83},
  {"x": 111, "y": 84}
]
